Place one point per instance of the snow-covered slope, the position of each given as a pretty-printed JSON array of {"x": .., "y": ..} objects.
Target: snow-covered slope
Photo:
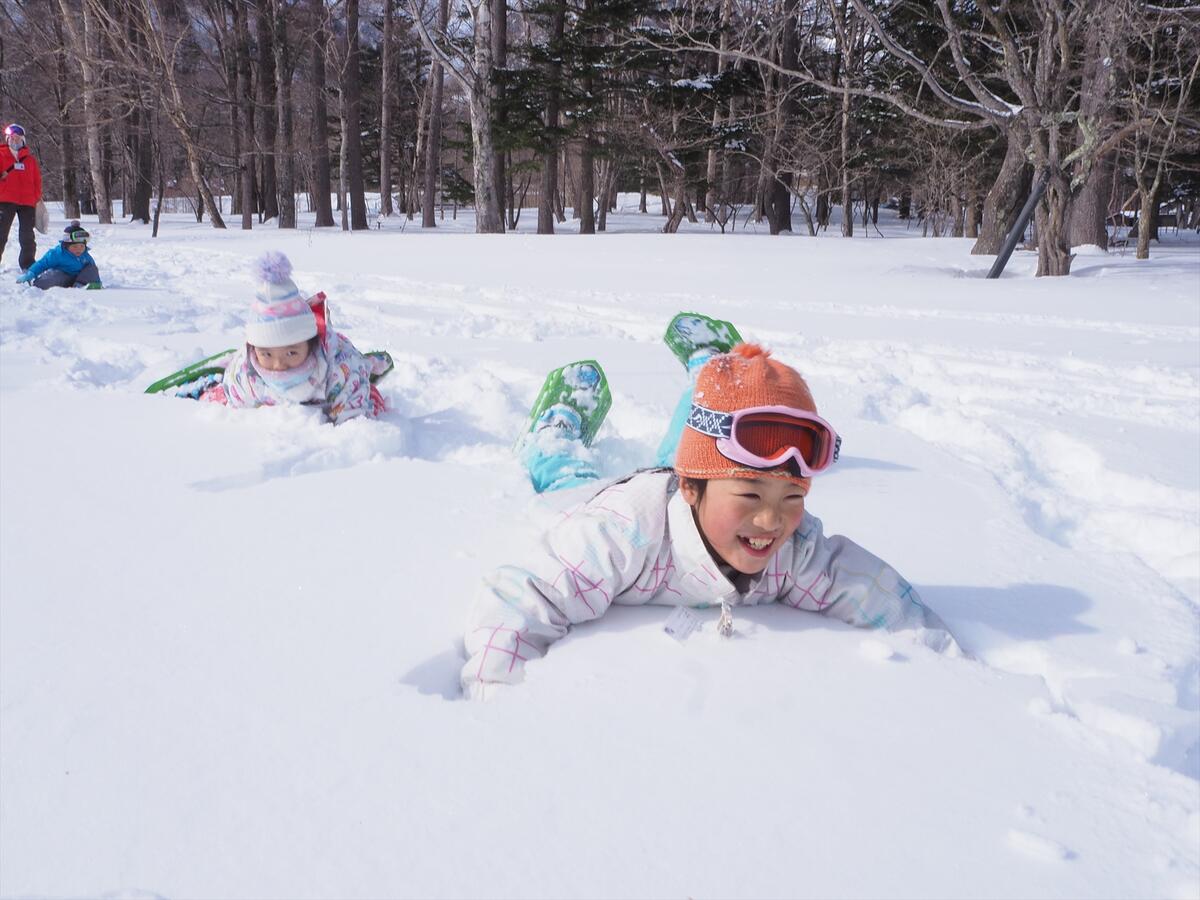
[{"x": 229, "y": 641}]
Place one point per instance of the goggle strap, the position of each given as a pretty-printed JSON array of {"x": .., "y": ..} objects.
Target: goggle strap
[{"x": 710, "y": 422}]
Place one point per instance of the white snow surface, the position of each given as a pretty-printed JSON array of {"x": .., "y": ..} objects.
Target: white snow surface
[{"x": 230, "y": 640}]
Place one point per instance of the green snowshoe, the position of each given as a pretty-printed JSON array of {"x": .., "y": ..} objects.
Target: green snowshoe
[
  {"x": 690, "y": 332},
  {"x": 574, "y": 398},
  {"x": 210, "y": 365}
]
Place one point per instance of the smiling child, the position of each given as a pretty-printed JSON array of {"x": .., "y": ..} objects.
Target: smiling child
[{"x": 726, "y": 527}]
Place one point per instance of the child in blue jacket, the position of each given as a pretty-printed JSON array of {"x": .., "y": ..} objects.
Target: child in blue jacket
[{"x": 67, "y": 265}]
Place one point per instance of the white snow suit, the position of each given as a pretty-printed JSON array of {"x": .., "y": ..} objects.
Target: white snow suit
[{"x": 636, "y": 543}]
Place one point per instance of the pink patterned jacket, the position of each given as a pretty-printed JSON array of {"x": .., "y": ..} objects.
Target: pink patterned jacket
[
  {"x": 636, "y": 543},
  {"x": 340, "y": 382}
]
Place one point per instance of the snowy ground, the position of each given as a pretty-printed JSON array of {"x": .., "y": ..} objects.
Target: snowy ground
[{"x": 229, "y": 641}]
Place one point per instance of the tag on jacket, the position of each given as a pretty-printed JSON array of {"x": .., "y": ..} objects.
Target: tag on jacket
[
  {"x": 20, "y": 167},
  {"x": 681, "y": 623}
]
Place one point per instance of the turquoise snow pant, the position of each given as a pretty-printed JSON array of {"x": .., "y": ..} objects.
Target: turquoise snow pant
[
  {"x": 557, "y": 464},
  {"x": 670, "y": 441},
  {"x": 554, "y": 466}
]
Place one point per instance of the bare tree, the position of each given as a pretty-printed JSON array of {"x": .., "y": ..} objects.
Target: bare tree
[
  {"x": 320, "y": 119},
  {"x": 471, "y": 69},
  {"x": 87, "y": 52},
  {"x": 433, "y": 133},
  {"x": 243, "y": 111},
  {"x": 62, "y": 90},
  {"x": 386, "y": 100},
  {"x": 267, "y": 122},
  {"x": 155, "y": 58},
  {"x": 1167, "y": 57},
  {"x": 553, "y": 75},
  {"x": 499, "y": 61},
  {"x": 284, "y": 132},
  {"x": 350, "y": 168}
]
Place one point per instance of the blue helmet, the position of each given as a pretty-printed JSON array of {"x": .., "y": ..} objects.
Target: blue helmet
[{"x": 14, "y": 128}]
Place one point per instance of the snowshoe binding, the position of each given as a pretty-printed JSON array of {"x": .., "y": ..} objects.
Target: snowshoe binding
[
  {"x": 574, "y": 399},
  {"x": 693, "y": 338}
]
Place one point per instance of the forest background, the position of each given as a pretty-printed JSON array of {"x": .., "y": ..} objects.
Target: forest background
[{"x": 728, "y": 110}]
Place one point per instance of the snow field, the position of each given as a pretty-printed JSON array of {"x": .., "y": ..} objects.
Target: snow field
[{"x": 229, "y": 641}]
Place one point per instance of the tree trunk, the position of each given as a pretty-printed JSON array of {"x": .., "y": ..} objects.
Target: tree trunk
[
  {"x": 549, "y": 187},
  {"x": 322, "y": 188},
  {"x": 971, "y": 220},
  {"x": 608, "y": 175},
  {"x": 680, "y": 203},
  {"x": 840, "y": 14},
  {"x": 1088, "y": 223},
  {"x": 352, "y": 133},
  {"x": 480, "y": 95},
  {"x": 1148, "y": 217},
  {"x": 137, "y": 136},
  {"x": 776, "y": 188},
  {"x": 244, "y": 145},
  {"x": 267, "y": 121},
  {"x": 199, "y": 178},
  {"x": 64, "y": 89},
  {"x": 1054, "y": 255},
  {"x": 143, "y": 160},
  {"x": 847, "y": 200},
  {"x": 1004, "y": 201},
  {"x": 386, "y": 65},
  {"x": 85, "y": 54},
  {"x": 411, "y": 200},
  {"x": 585, "y": 206},
  {"x": 284, "y": 135},
  {"x": 587, "y": 185},
  {"x": 499, "y": 61},
  {"x": 343, "y": 163},
  {"x": 162, "y": 189},
  {"x": 433, "y": 137},
  {"x": 713, "y": 195},
  {"x": 230, "y": 58},
  {"x": 1155, "y": 201},
  {"x": 1089, "y": 208}
]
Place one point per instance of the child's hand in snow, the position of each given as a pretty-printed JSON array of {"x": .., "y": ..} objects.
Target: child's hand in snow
[
  {"x": 483, "y": 690},
  {"x": 25, "y": 279},
  {"x": 940, "y": 641}
]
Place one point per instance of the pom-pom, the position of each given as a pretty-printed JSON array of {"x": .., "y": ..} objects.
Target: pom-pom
[
  {"x": 273, "y": 267},
  {"x": 750, "y": 351}
]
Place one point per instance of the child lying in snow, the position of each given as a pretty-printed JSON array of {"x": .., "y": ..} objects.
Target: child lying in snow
[
  {"x": 290, "y": 357},
  {"x": 67, "y": 265},
  {"x": 726, "y": 527}
]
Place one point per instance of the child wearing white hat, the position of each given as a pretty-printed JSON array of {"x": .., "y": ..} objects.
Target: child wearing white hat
[{"x": 290, "y": 357}]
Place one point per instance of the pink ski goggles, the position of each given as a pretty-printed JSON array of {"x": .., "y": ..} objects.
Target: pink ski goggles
[{"x": 766, "y": 437}]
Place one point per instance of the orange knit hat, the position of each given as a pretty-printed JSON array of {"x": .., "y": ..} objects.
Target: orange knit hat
[{"x": 745, "y": 377}]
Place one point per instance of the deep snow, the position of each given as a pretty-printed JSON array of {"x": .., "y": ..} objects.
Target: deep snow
[{"x": 230, "y": 641}]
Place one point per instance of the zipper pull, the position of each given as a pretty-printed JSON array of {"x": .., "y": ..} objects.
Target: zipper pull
[{"x": 725, "y": 622}]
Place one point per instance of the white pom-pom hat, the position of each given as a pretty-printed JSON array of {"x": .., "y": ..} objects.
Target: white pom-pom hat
[{"x": 279, "y": 315}]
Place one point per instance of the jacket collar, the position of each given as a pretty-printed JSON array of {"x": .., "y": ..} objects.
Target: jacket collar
[{"x": 699, "y": 573}]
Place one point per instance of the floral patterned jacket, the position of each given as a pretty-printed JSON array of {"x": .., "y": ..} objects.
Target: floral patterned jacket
[{"x": 338, "y": 378}]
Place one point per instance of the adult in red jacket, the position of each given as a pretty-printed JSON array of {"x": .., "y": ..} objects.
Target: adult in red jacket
[{"x": 20, "y": 191}]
